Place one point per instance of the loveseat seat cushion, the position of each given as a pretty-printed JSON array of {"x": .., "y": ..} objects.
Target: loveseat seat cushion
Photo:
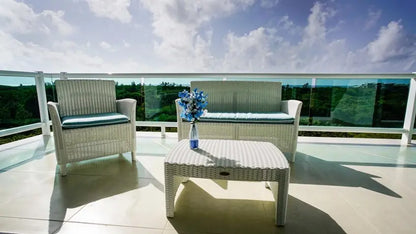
[
  {"x": 277, "y": 117},
  {"x": 82, "y": 121}
]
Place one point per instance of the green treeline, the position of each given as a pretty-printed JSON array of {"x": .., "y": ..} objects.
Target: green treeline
[
  {"x": 154, "y": 102},
  {"x": 18, "y": 106},
  {"x": 372, "y": 104}
]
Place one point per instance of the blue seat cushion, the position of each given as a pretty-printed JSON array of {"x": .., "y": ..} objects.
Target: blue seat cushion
[
  {"x": 82, "y": 121},
  {"x": 277, "y": 117}
]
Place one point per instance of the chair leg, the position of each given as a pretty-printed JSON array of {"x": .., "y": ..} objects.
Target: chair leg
[
  {"x": 267, "y": 185},
  {"x": 62, "y": 168},
  {"x": 133, "y": 156}
]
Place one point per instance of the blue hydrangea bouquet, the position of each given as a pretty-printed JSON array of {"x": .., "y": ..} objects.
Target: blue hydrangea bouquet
[{"x": 193, "y": 106}]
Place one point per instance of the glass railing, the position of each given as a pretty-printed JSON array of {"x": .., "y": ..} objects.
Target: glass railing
[
  {"x": 356, "y": 103},
  {"x": 18, "y": 102},
  {"x": 329, "y": 102}
]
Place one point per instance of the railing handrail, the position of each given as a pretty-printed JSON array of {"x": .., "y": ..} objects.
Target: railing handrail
[
  {"x": 18, "y": 73},
  {"x": 219, "y": 75}
]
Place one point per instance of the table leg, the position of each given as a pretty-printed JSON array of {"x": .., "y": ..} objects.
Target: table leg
[
  {"x": 282, "y": 194},
  {"x": 170, "y": 193},
  {"x": 172, "y": 183}
]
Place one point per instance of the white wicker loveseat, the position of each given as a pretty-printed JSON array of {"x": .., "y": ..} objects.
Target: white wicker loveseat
[
  {"x": 88, "y": 122},
  {"x": 247, "y": 110}
]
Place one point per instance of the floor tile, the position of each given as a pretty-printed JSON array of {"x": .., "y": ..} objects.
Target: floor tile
[
  {"x": 143, "y": 206},
  {"x": 337, "y": 186},
  {"x": 29, "y": 226},
  {"x": 34, "y": 195},
  {"x": 88, "y": 228}
]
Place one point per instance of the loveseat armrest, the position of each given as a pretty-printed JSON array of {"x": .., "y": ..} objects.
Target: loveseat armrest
[
  {"x": 292, "y": 108},
  {"x": 127, "y": 107}
]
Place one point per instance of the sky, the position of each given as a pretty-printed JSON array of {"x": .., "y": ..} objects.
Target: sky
[{"x": 281, "y": 36}]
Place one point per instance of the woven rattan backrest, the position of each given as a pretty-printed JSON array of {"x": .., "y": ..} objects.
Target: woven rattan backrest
[
  {"x": 241, "y": 96},
  {"x": 81, "y": 97}
]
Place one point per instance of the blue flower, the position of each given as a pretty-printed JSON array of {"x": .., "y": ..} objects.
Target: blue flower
[{"x": 193, "y": 104}]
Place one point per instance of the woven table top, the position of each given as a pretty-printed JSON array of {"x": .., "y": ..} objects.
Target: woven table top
[{"x": 228, "y": 154}]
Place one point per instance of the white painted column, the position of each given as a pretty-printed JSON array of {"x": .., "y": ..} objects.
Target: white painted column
[
  {"x": 409, "y": 119},
  {"x": 42, "y": 102}
]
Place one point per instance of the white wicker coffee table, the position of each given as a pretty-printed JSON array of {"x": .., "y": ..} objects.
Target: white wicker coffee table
[{"x": 228, "y": 160}]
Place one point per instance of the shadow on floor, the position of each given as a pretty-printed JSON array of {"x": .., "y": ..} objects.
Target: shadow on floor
[
  {"x": 196, "y": 211},
  {"x": 311, "y": 170},
  {"x": 90, "y": 181},
  {"x": 13, "y": 161}
]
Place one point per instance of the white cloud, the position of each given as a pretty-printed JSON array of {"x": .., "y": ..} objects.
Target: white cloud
[
  {"x": 126, "y": 44},
  {"x": 113, "y": 9},
  {"x": 316, "y": 31},
  {"x": 185, "y": 43},
  {"x": 179, "y": 25},
  {"x": 17, "y": 17},
  {"x": 56, "y": 19},
  {"x": 250, "y": 52},
  {"x": 105, "y": 45},
  {"x": 286, "y": 22},
  {"x": 391, "y": 44},
  {"x": 61, "y": 56},
  {"x": 268, "y": 3},
  {"x": 263, "y": 50},
  {"x": 30, "y": 56},
  {"x": 373, "y": 17}
]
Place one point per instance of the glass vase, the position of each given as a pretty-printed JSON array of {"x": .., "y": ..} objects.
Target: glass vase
[{"x": 193, "y": 136}]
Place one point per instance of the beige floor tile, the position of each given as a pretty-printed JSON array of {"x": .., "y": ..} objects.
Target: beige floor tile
[
  {"x": 303, "y": 218},
  {"x": 326, "y": 208},
  {"x": 105, "y": 166},
  {"x": 379, "y": 209},
  {"x": 87, "y": 228},
  {"x": 140, "y": 207},
  {"x": 173, "y": 231},
  {"x": 336, "y": 187},
  {"x": 38, "y": 164},
  {"x": 197, "y": 210},
  {"x": 28, "y": 226},
  {"x": 151, "y": 167},
  {"x": 34, "y": 195}
]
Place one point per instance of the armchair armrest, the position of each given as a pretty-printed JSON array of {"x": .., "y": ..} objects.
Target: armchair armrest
[
  {"x": 127, "y": 107},
  {"x": 53, "y": 108},
  {"x": 178, "y": 110},
  {"x": 292, "y": 108}
]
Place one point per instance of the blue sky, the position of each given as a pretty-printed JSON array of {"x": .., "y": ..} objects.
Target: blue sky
[{"x": 340, "y": 36}]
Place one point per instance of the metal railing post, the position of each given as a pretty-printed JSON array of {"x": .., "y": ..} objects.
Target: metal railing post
[
  {"x": 409, "y": 119},
  {"x": 63, "y": 76},
  {"x": 163, "y": 131},
  {"x": 43, "y": 108}
]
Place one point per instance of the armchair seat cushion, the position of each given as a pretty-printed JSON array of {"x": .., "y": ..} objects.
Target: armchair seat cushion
[
  {"x": 91, "y": 120},
  {"x": 276, "y": 117}
]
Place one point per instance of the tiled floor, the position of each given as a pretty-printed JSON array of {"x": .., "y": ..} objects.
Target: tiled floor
[{"x": 337, "y": 186}]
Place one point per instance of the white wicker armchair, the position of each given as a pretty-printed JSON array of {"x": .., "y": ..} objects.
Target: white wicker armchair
[
  {"x": 247, "y": 97},
  {"x": 91, "y": 134}
]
